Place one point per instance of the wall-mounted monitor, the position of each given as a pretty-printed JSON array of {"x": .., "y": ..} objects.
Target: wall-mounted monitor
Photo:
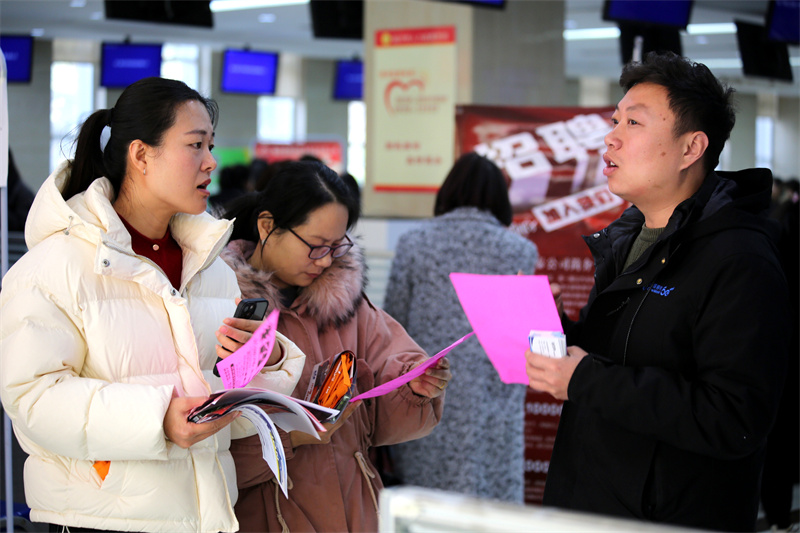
[
  {"x": 496, "y": 4},
  {"x": 348, "y": 82},
  {"x": 18, "y": 52},
  {"x": 637, "y": 40},
  {"x": 337, "y": 19},
  {"x": 125, "y": 63},
  {"x": 184, "y": 12},
  {"x": 249, "y": 72},
  {"x": 783, "y": 21},
  {"x": 672, "y": 13},
  {"x": 760, "y": 56}
]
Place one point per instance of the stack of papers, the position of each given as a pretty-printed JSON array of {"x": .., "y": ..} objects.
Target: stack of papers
[{"x": 549, "y": 343}]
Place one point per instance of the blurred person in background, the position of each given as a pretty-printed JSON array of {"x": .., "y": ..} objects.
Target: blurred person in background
[{"x": 478, "y": 447}]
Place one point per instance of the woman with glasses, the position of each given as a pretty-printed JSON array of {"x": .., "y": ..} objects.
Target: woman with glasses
[{"x": 290, "y": 245}]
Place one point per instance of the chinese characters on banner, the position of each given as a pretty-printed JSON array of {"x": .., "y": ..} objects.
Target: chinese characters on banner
[
  {"x": 553, "y": 158},
  {"x": 414, "y": 94},
  {"x": 330, "y": 152}
]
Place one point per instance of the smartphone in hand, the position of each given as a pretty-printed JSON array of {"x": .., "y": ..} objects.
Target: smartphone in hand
[{"x": 251, "y": 309}]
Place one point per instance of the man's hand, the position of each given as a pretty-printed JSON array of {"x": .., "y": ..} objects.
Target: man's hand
[
  {"x": 552, "y": 375},
  {"x": 179, "y": 430},
  {"x": 555, "y": 288}
]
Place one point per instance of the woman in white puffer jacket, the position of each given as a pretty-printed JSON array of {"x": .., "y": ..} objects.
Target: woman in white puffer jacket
[{"x": 112, "y": 322}]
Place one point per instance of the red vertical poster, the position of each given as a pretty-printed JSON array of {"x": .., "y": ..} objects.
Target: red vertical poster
[{"x": 553, "y": 158}]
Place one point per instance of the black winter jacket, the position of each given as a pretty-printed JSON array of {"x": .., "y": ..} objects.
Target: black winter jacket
[{"x": 668, "y": 415}]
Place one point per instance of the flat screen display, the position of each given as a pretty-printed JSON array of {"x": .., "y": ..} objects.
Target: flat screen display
[
  {"x": 673, "y": 13},
  {"x": 349, "y": 80},
  {"x": 18, "y": 52},
  {"x": 183, "y": 12},
  {"x": 783, "y": 21},
  {"x": 249, "y": 72},
  {"x": 497, "y": 4},
  {"x": 760, "y": 56},
  {"x": 124, "y": 63}
]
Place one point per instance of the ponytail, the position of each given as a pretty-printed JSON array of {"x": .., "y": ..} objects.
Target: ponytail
[
  {"x": 244, "y": 210},
  {"x": 88, "y": 162}
]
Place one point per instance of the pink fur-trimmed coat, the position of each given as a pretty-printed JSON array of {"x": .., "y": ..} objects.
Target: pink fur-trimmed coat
[{"x": 333, "y": 486}]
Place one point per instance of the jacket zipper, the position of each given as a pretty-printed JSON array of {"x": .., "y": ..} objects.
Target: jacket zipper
[{"x": 630, "y": 328}]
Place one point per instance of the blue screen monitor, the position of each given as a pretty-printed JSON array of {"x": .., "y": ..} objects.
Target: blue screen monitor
[
  {"x": 248, "y": 72},
  {"x": 123, "y": 63},
  {"x": 349, "y": 80},
  {"x": 672, "y": 13},
  {"x": 18, "y": 52},
  {"x": 783, "y": 21}
]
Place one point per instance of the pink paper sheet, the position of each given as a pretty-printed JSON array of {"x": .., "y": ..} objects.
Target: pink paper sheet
[
  {"x": 241, "y": 366},
  {"x": 389, "y": 386},
  {"x": 502, "y": 311}
]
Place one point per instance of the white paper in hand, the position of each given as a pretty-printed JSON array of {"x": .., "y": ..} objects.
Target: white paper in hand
[
  {"x": 549, "y": 343},
  {"x": 271, "y": 446}
]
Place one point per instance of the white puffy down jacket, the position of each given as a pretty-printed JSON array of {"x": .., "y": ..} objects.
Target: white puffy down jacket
[{"x": 94, "y": 341}]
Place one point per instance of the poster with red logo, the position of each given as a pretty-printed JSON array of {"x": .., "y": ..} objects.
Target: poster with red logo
[
  {"x": 553, "y": 158},
  {"x": 330, "y": 152},
  {"x": 411, "y": 124}
]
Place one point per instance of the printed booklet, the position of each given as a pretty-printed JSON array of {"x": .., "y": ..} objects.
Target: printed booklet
[{"x": 267, "y": 409}]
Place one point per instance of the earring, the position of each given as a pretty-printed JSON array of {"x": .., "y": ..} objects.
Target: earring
[
  {"x": 144, "y": 172},
  {"x": 263, "y": 242}
]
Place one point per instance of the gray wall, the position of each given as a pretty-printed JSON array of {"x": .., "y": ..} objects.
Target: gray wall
[
  {"x": 519, "y": 63},
  {"x": 325, "y": 117},
  {"x": 238, "y": 113},
  {"x": 742, "y": 144},
  {"x": 29, "y": 119},
  {"x": 787, "y": 144}
]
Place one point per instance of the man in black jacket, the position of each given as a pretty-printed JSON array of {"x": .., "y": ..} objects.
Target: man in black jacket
[{"x": 676, "y": 363}]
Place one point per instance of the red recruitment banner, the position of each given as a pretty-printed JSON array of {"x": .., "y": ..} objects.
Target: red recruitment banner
[
  {"x": 330, "y": 152},
  {"x": 553, "y": 159}
]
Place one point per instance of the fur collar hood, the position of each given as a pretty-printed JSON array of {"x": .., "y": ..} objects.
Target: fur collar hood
[{"x": 331, "y": 300}]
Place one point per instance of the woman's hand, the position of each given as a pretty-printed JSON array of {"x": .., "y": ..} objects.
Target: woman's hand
[
  {"x": 179, "y": 430},
  {"x": 235, "y": 332},
  {"x": 299, "y": 438},
  {"x": 432, "y": 383}
]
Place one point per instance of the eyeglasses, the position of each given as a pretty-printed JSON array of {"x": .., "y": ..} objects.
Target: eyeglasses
[{"x": 318, "y": 252}]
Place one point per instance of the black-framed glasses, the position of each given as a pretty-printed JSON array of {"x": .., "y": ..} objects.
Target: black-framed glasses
[{"x": 318, "y": 252}]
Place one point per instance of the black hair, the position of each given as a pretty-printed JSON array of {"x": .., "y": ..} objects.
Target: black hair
[
  {"x": 475, "y": 181},
  {"x": 291, "y": 194},
  {"x": 234, "y": 177},
  {"x": 144, "y": 111},
  {"x": 351, "y": 182},
  {"x": 699, "y": 101}
]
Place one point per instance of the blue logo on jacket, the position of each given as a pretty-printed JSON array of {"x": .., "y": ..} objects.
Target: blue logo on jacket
[{"x": 661, "y": 290}]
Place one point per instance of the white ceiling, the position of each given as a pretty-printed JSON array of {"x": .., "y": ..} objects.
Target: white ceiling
[{"x": 291, "y": 32}]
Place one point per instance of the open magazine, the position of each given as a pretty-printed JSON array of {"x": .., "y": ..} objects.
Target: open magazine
[{"x": 268, "y": 411}]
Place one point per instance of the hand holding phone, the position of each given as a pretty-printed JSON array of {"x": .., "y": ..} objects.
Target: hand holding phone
[{"x": 251, "y": 309}]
